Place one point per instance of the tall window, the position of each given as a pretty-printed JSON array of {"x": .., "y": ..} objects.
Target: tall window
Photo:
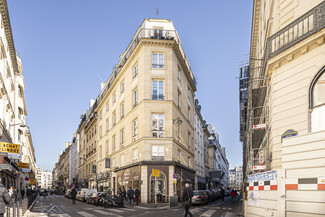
[
  {"x": 157, "y": 152},
  {"x": 20, "y": 113},
  {"x": 100, "y": 132},
  {"x": 135, "y": 71},
  {"x": 107, "y": 125},
  {"x": 317, "y": 102},
  {"x": 122, "y": 159},
  {"x": 122, "y": 110},
  {"x": 188, "y": 113},
  {"x": 20, "y": 91},
  {"x": 157, "y": 90},
  {"x": 113, "y": 163},
  {"x": 122, "y": 137},
  {"x": 100, "y": 151},
  {"x": 107, "y": 106},
  {"x": 179, "y": 99},
  {"x": 189, "y": 94},
  {"x": 100, "y": 115},
  {"x": 189, "y": 140},
  {"x": 135, "y": 130},
  {"x": 20, "y": 133},
  {"x": 157, "y": 60},
  {"x": 122, "y": 87},
  {"x": 157, "y": 127},
  {"x": 157, "y": 34},
  {"x": 113, "y": 142},
  {"x": 114, "y": 97},
  {"x": 107, "y": 147},
  {"x": 179, "y": 73},
  {"x": 114, "y": 118},
  {"x": 135, "y": 98}
]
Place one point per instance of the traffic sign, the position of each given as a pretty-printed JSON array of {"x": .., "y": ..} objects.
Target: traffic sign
[
  {"x": 174, "y": 176},
  {"x": 26, "y": 179},
  {"x": 155, "y": 173},
  {"x": 260, "y": 167}
]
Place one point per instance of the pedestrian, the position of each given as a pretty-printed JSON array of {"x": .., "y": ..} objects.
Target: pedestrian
[
  {"x": 124, "y": 195},
  {"x": 13, "y": 195},
  {"x": 4, "y": 199},
  {"x": 130, "y": 196},
  {"x": 73, "y": 195},
  {"x": 137, "y": 195},
  {"x": 222, "y": 192},
  {"x": 233, "y": 194},
  {"x": 187, "y": 199},
  {"x": 22, "y": 193}
]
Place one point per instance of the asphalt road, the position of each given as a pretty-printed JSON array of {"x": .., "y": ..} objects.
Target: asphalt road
[{"x": 58, "y": 205}]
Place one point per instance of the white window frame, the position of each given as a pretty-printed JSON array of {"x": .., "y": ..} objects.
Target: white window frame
[
  {"x": 122, "y": 137},
  {"x": 135, "y": 154},
  {"x": 157, "y": 151},
  {"x": 158, "y": 86},
  {"x": 158, "y": 60},
  {"x": 135, "y": 130},
  {"x": 157, "y": 127},
  {"x": 135, "y": 71}
]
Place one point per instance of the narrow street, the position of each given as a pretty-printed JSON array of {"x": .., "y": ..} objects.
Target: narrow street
[{"x": 58, "y": 205}]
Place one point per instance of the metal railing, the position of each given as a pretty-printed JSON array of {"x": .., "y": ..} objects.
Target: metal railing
[
  {"x": 158, "y": 158},
  {"x": 306, "y": 25},
  {"x": 19, "y": 208}
]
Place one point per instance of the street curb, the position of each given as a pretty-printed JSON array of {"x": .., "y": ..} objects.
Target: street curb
[{"x": 26, "y": 214}]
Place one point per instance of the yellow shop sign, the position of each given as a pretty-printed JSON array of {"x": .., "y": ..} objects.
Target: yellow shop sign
[
  {"x": 22, "y": 165},
  {"x": 10, "y": 148}
]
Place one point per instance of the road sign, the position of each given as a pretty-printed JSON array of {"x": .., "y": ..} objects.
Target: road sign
[
  {"x": 259, "y": 126},
  {"x": 261, "y": 158},
  {"x": 174, "y": 176},
  {"x": 174, "y": 180},
  {"x": 26, "y": 179},
  {"x": 155, "y": 173},
  {"x": 10, "y": 148},
  {"x": 32, "y": 181}
]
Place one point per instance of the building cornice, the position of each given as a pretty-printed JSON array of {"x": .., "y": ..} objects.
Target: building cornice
[{"x": 8, "y": 31}]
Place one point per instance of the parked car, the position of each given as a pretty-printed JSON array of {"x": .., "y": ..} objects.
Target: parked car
[
  {"x": 199, "y": 197},
  {"x": 80, "y": 196},
  {"x": 43, "y": 192},
  {"x": 94, "y": 198},
  {"x": 210, "y": 195},
  {"x": 85, "y": 192},
  {"x": 68, "y": 193}
]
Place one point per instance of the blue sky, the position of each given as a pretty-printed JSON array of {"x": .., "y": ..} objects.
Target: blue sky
[{"x": 67, "y": 47}]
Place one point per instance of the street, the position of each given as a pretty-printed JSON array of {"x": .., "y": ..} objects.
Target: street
[{"x": 58, "y": 205}]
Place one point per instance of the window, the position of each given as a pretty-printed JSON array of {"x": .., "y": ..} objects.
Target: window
[
  {"x": 317, "y": 102},
  {"x": 179, "y": 99},
  {"x": 122, "y": 110},
  {"x": 157, "y": 60},
  {"x": 20, "y": 113},
  {"x": 122, "y": 159},
  {"x": 135, "y": 71},
  {"x": 113, "y": 163},
  {"x": 100, "y": 115},
  {"x": 107, "y": 125},
  {"x": 20, "y": 133},
  {"x": 20, "y": 91},
  {"x": 113, "y": 143},
  {"x": 188, "y": 113},
  {"x": 189, "y": 94},
  {"x": 189, "y": 139},
  {"x": 157, "y": 127},
  {"x": 157, "y": 34},
  {"x": 179, "y": 73},
  {"x": 157, "y": 152},
  {"x": 135, "y": 154},
  {"x": 107, "y": 106},
  {"x": 114, "y": 97},
  {"x": 178, "y": 155},
  {"x": 114, "y": 118},
  {"x": 100, "y": 132},
  {"x": 157, "y": 90},
  {"x": 135, "y": 130},
  {"x": 135, "y": 98},
  {"x": 122, "y": 137},
  {"x": 122, "y": 87},
  {"x": 100, "y": 151}
]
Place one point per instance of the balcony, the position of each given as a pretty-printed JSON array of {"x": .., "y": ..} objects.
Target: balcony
[
  {"x": 158, "y": 158},
  {"x": 157, "y": 66}
]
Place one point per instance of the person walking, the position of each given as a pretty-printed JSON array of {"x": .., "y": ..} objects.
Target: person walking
[
  {"x": 130, "y": 196},
  {"x": 187, "y": 199},
  {"x": 137, "y": 195},
  {"x": 222, "y": 192},
  {"x": 4, "y": 199},
  {"x": 13, "y": 195},
  {"x": 22, "y": 193},
  {"x": 73, "y": 195},
  {"x": 233, "y": 194},
  {"x": 124, "y": 195}
]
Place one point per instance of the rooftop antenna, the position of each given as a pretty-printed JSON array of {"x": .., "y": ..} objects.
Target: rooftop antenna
[{"x": 156, "y": 9}]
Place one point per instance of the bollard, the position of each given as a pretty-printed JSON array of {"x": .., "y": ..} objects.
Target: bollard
[{"x": 14, "y": 210}]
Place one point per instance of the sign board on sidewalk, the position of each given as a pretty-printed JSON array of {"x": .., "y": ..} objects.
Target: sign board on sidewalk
[{"x": 155, "y": 173}]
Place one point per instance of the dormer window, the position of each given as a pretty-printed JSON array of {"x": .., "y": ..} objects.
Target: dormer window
[{"x": 158, "y": 34}]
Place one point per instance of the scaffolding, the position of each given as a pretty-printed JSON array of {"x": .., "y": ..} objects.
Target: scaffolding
[{"x": 254, "y": 88}]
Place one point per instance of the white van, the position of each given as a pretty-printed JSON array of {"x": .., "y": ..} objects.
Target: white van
[{"x": 85, "y": 193}]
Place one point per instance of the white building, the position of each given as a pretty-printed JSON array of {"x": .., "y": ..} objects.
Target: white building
[
  {"x": 74, "y": 159},
  {"x": 236, "y": 177},
  {"x": 44, "y": 178},
  {"x": 12, "y": 108},
  {"x": 200, "y": 182}
]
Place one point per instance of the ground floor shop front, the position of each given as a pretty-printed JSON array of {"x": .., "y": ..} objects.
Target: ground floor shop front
[{"x": 164, "y": 185}]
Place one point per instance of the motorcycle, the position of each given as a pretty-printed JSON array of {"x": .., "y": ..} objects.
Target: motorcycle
[{"x": 113, "y": 201}]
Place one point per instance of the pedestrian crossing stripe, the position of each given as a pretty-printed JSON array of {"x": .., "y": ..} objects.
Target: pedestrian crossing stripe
[
  {"x": 193, "y": 211},
  {"x": 64, "y": 215},
  {"x": 106, "y": 213},
  {"x": 85, "y": 214},
  {"x": 116, "y": 210},
  {"x": 208, "y": 213}
]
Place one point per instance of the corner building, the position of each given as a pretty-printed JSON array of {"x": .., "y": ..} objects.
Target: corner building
[{"x": 145, "y": 116}]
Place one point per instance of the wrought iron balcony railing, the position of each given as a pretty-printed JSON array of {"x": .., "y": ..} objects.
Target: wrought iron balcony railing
[
  {"x": 158, "y": 158},
  {"x": 158, "y": 97},
  {"x": 306, "y": 25}
]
